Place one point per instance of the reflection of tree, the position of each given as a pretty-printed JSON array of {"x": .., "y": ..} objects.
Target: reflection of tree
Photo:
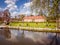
[
  {"x": 54, "y": 41},
  {"x": 23, "y": 34},
  {"x": 7, "y": 32}
]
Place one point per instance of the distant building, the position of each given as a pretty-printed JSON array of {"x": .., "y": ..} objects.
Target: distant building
[{"x": 34, "y": 19}]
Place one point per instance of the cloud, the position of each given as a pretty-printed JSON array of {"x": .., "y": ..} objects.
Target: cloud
[
  {"x": 1, "y": 9},
  {"x": 25, "y": 9},
  {"x": 14, "y": 13},
  {"x": 26, "y": 13},
  {"x": 27, "y": 4},
  {"x": 10, "y": 1},
  {"x": 11, "y": 5}
]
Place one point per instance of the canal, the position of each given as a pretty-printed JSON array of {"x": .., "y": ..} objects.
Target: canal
[{"x": 19, "y": 37}]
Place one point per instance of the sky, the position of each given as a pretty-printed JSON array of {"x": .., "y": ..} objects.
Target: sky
[{"x": 16, "y": 7}]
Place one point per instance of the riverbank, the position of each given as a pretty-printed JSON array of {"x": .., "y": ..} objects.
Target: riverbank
[{"x": 31, "y": 29}]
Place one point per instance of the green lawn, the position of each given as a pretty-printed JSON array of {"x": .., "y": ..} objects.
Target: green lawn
[{"x": 34, "y": 24}]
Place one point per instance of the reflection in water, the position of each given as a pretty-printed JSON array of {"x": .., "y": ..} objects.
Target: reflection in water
[
  {"x": 6, "y": 32},
  {"x": 29, "y": 38}
]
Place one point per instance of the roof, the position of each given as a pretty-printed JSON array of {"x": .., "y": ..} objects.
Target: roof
[{"x": 34, "y": 17}]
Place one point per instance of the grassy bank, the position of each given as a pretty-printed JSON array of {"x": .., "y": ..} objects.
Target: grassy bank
[{"x": 34, "y": 24}]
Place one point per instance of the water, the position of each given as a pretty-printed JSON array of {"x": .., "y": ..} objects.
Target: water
[{"x": 19, "y": 37}]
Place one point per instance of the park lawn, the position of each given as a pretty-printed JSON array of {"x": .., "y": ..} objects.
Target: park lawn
[{"x": 34, "y": 24}]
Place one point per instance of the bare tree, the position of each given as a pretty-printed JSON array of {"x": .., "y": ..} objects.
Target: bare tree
[
  {"x": 6, "y": 16},
  {"x": 21, "y": 17}
]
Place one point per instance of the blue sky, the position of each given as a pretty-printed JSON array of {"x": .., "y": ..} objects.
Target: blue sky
[
  {"x": 18, "y": 3},
  {"x": 15, "y": 6}
]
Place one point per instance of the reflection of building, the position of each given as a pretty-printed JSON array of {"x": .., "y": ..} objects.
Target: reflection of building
[{"x": 34, "y": 19}]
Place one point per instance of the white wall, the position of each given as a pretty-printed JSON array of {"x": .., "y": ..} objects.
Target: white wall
[
  {"x": 39, "y": 20},
  {"x": 36, "y": 20},
  {"x": 27, "y": 20}
]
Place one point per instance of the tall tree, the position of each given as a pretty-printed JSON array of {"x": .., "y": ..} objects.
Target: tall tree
[
  {"x": 6, "y": 16},
  {"x": 55, "y": 11},
  {"x": 52, "y": 8},
  {"x": 38, "y": 6}
]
